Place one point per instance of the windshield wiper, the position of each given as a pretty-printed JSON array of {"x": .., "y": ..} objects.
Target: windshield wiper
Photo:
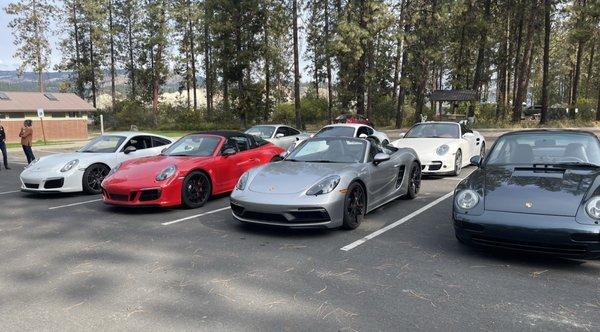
[
  {"x": 294, "y": 160},
  {"x": 576, "y": 164}
]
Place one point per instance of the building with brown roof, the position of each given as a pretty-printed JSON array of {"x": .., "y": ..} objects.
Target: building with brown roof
[{"x": 65, "y": 115}]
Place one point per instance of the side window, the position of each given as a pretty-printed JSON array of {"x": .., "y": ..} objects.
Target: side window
[
  {"x": 370, "y": 131},
  {"x": 139, "y": 142},
  {"x": 281, "y": 130},
  {"x": 464, "y": 129},
  {"x": 157, "y": 141},
  {"x": 292, "y": 131},
  {"x": 362, "y": 130},
  {"x": 373, "y": 150},
  {"x": 240, "y": 143}
]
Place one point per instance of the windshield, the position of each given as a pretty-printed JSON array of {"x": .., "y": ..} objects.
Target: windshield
[
  {"x": 330, "y": 150},
  {"x": 434, "y": 130},
  {"x": 336, "y": 131},
  {"x": 103, "y": 144},
  {"x": 193, "y": 145},
  {"x": 545, "y": 148},
  {"x": 264, "y": 132}
]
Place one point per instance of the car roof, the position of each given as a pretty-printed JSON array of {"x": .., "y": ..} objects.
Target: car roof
[
  {"x": 437, "y": 122},
  {"x": 545, "y": 131},
  {"x": 134, "y": 133},
  {"x": 355, "y": 125},
  {"x": 222, "y": 133}
]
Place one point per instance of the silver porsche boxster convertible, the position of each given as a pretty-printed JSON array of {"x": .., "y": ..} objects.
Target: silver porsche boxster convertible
[{"x": 326, "y": 182}]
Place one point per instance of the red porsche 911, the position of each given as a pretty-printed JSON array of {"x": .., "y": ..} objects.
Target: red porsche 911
[{"x": 189, "y": 171}]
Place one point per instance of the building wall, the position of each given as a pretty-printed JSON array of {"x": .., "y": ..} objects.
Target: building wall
[{"x": 55, "y": 129}]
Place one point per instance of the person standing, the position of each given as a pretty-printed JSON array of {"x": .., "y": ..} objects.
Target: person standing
[
  {"x": 3, "y": 146},
  {"x": 26, "y": 135}
]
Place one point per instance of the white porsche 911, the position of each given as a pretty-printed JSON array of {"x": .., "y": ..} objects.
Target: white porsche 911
[
  {"x": 346, "y": 130},
  {"x": 444, "y": 148},
  {"x": 85, "y": 169},
  {"x": 280, "y": 135}
]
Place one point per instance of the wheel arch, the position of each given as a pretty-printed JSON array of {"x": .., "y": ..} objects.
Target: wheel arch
[
  {"x": 364, "y": 186},
  {"x": 207, "y": 173}
]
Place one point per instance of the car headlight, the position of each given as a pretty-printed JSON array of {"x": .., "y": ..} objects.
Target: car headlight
[
  {"x": 593, "y": 207},
  {"x": 324, "y": 186},
  {"x": 241, "y": 184},
  {"x": 166, "y": 173},
  {"x": 467, "y": 199},
  {"x": 69, "y": 166},
  {"x": 442, "y": 149}
]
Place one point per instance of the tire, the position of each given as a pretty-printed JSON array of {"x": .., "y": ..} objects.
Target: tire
[
  {"x": 457, "y": 163},
  {"x": 196, "y": 190},
  {"x": 93, "y": 177},
  {"x": 354, "y": 206},
  {"x": 414, "y": 181}
]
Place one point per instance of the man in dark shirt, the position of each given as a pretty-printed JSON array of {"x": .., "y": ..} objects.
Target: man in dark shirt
[{"x": 3, "y": 146}]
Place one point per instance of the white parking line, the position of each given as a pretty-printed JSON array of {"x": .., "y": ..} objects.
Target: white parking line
[
  {"x": 9, "y": 192},
  {"x": 194, "y": 216},
  {"x": 396, "y": 223},
  {"x": 74, "y": 204}
]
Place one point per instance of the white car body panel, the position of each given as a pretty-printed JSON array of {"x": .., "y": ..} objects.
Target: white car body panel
[
  {"x": 470, "y": 145},
  {"x": 48, "y": 167}
]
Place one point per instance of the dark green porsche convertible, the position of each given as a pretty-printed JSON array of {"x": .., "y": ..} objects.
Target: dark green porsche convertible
[{"x": 537, "y": 191}]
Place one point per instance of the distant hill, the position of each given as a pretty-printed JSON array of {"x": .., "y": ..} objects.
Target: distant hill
[{"x": 10, "y": 81}]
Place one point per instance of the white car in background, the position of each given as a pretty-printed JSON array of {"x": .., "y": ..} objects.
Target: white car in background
[
  {"x": 347, "y": 130},
  {"x": 280, "y": 135},
  {"x": 444, "y": 148},
  {"x": 84, "y": 169}
]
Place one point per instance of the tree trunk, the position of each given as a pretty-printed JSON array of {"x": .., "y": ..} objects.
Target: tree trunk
[
  {"x": 525, "y": 66},
  {"x": 93, "y": 70},
  {"x": 480, "y": 56},
  {"x": 502, "y": 74},
  {"x": 296, "y": 66},
  {"x": 208, "y": 83},
  {"x": 192, "y": 53},
  {"x": 267, "y": 70},
  {"x": 131, "y": 61},
  {"x": 79, "y": 85},
  {"x": 516, "y": 63},
  {"x": 546, "y": 60},
  {"x": 590, "y": 68},
  {"x": 598, "y": 107},
  {"x": 38, "y": 49},
  {"x": 328, "y": 64},
  {"x": 362, "y": 63},
  {"x": 112, "y": 54},
  {"x": 575, "y": 86}
]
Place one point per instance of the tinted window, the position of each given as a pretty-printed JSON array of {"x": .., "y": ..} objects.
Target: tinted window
[
  {"x": 336, "y": 131},
  {"x": 104, "y": 144},
  {"x": 292, "y": 131},
  {"x": 139, "y": 142},
  {"x": 544, "y": 149},
  {"x": 157, "y": 141},
  {"x": 194, "y": 145},
  {"x": 240, "y": 143},
  {"x": 434, "y": 130}
]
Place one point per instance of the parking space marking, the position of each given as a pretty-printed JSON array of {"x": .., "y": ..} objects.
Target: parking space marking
[
  {"x": 74, "y": 204},
  {"x": 396, "y": 223},
  {"x": 194, "y": 216},
  {"x": 9, "y": 192}
]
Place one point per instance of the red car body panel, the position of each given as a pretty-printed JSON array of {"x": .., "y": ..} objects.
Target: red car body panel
[
  {"x": 352, "y": 118},
  {"x": 135, "y": 184}
]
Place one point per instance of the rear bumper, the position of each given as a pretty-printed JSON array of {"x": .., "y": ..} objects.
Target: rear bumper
[
  {"x": 163, "y": 196},
  {"x": 553, "y": 235}
]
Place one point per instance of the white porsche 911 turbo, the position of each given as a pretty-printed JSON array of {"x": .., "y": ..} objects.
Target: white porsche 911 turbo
[
  {"x": 444, "y": 148},
  {"x": 85, "y": 169}
]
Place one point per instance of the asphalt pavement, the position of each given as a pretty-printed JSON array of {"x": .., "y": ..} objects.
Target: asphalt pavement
[{"x": 69, "y": 262}]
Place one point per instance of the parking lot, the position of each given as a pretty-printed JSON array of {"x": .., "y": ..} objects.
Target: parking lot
[{"x": 70, "y": 262}]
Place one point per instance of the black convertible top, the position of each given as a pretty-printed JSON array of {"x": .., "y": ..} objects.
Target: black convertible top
[
  {"x": 557, "y": 131},
  {"x": 254, "y": 141}
]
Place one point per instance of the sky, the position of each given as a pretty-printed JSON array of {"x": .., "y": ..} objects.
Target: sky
[{"x": 7, "y": 48}]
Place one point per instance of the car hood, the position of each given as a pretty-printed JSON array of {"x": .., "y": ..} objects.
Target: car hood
[
  {"x": 525, "y": 190},
  {"x": 288, "y": 177},
  {"x": 146, "y": 169},
  {"x": 55, "y": 162},
  {"x": 426, "y": 144}
]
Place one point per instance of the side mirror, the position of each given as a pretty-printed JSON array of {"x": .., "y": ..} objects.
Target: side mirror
[
  {"x": 129, "y": 149},
  {"x": 228, "y": 152},
  {"x": 476, "y": 161},
  {"x": 381, "y": 157},
  {"x": 401, "y": 135},
  {"x": 279, "y": 135},
  {"x": 363, "y": 136}
]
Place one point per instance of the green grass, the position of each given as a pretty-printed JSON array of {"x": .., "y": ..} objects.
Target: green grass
[{"x": 41, "y": 143}]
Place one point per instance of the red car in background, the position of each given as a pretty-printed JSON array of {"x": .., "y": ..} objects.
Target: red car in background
[
  {"x": 188, "y": 172},
  {"x": 354, "y": 118}
]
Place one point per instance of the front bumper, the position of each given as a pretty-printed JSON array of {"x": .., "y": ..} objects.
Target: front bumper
[
  {"x": 434, "y": 164},
  {"x": 52, "y": 182},
  {"x": 125, "y": 195},
  {"x": 554, "y": 235},
  {"x": 289, "y": 210}
]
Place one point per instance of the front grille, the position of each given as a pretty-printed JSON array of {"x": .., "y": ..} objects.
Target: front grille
[
  {"x": 118, "y": 197},
  {"x": 436, "y": 165},
  {"x": 32, "y": 185},
  {"x": 262, "y": 216},
  {"x": 237, "y": 209},
  {"x": 150, "y": 195},
  {"x": 585, "y": 237},
  {"x": 546, "y": 248},
  {"x": 310, "y": 216},
  {"x": 54, "y": 183}
]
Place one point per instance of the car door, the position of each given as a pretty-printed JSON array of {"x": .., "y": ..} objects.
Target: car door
[
  {"x": 382, "y": 176},
  {"x": 281, "y": 140},
  {"x": 469, "y": 147},
  {"x": 231, "y": 167},
  {"x": 142, "y": 145}
]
